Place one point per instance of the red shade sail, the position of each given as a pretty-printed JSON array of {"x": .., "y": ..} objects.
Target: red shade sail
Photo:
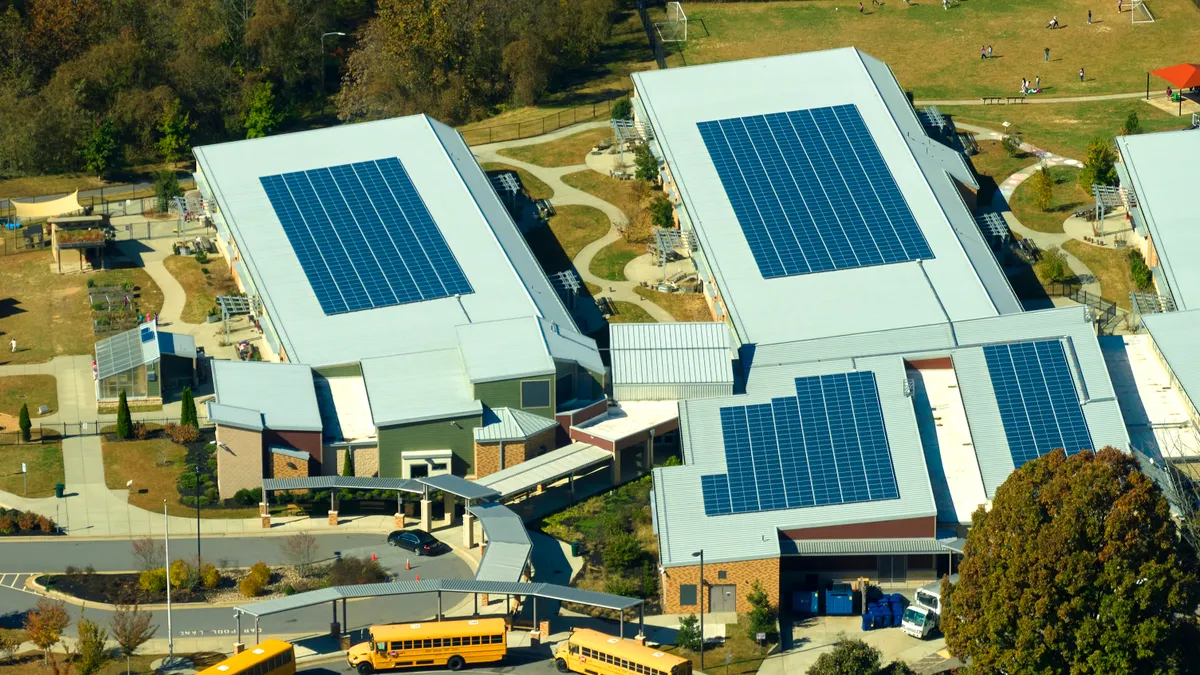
[{"x": 1183, "y": 75}]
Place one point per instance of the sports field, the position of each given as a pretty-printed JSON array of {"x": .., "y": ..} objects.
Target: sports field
[{"x": 935, "y": 52}]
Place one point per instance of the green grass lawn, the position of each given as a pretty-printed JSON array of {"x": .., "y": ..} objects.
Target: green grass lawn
[
  {"x": 626, "y": 195},
  {"x": 611, "y": 260},
  {"x": 48, "y": 313},
  {"x": 681, "y": 306},
  {"x": 534, "y": 186},
  {"x": 992, "y": 165},
  {"x": 935, "y": 53},
  {"x": 1111, "y": 267},
  {"x": 566, "y": 151},
  {"x": 34, "y": 390},
  {"x": 627, "y": 312},
  {"x": 1067, "y": 128},
  {"x": 45, "y": 465},
  {"x": 155, "y": 465},
  {"x": 1068, "y": 198},
  {"x": 574, "y": 226},
  {"x": 201, "y": 289}
]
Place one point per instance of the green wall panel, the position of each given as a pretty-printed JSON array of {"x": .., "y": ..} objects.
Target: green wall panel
[
  {"x": 507, "y": 394},
  {"x": 457, "y": 435}
]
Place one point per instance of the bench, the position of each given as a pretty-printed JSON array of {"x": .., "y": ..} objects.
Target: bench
[
  {"x": 1015, "y": 99},
  {"x": 987, "y": 100}
]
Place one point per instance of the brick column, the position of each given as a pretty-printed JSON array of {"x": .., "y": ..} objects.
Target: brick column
[
  {"x": 448, "y": 501},
  {"x": 468, "y": 530},
  {"x": 399, "y": 520},
  {"x": 264, "y": 515},
  {"x": 426, "y": 515},
  {"x": 333, "y": 519}
]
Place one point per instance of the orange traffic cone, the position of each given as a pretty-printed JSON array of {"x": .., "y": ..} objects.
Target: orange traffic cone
[
  {"x": 407, "y": 564},
  {"x": 374, "y": 557},
  {"x": 418, "y": 577}
]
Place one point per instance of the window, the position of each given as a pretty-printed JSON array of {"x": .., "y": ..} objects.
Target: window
[
  {"x": 572, "y": 648},
  {"x": 418, "y": 471},
  {"x": 565, "y": 386},
  {"x": 721, "y": 574},
  {"x": 381, "y": 646},
  {"x": 408, "y": 644},
  {"x": 474, "y": 639},
  {"x": 687, "y": 594},
  {"x": 455, "y": 642},
  {"x": 437, "y": 643},
  {"x": 587, "y": 652},
  {"x": 427, "y": 644},
  {"x": 535, "y": 394}
]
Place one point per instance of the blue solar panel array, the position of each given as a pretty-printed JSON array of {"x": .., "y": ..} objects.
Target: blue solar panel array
[
  {"x": 812, "y": 192},
  {"x": 1038, "y": 404},
  {"x": 147, "y": 334},
  {"x": 363, "y": 236},
  {"x": 826, "y": 445}
]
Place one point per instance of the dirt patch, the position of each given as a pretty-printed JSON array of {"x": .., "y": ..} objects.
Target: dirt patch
[{"x": 8, "y": 422}]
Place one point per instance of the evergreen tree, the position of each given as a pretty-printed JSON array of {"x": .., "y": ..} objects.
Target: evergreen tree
[
  {"x": 1133, "y": 125},
  {"x": 1077, "y": 567},
  {"x": 1043, "y": 189},
  {"x": 688, "y": 636},
  {"x": 645, "y": 165},
  {"x": 261, "y": 116},
  {"x": 187, "y": 415},
  {"x": 24, "y": 423},
  {"x": 762, "y": 614},
  {"x": 348, "y": 463},
  {"x": 124, "y": 419}
]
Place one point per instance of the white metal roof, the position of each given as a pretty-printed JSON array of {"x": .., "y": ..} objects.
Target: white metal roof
[
  {"x": 946, "y": 436},
  {"x": 499, "y": 350},
  {"x": 511, "y": 424},
  {"x": 1175, "y": 336},
  {"x": 545, "y": 469},
  {"x": 282, "y": 392},
  {"x": 418, "y": 387},
  {"x": 1165, "y": 187},
  {"x": 508, "y": 543},
  {"x": 507, "y": 281},
  {"x": 345, "y": 408},
  {"x": 963, "y": 281},
  {"x": 1157, "y": 415},
  {"x": 670, "y": 353}
]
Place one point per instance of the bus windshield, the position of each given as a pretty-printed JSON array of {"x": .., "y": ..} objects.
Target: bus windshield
[{"x": 915, "y": 617}]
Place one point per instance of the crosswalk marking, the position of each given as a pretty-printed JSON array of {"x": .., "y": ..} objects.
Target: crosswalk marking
[{"x": 16, "y": 582}]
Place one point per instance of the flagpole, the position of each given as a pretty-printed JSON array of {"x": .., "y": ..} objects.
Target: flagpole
[{"x": 167, "y": 551}]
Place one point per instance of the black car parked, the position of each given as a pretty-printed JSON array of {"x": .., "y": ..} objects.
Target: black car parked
[{"x": 417, "y": 541}]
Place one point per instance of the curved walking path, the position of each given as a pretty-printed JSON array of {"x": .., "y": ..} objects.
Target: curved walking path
[
  {"x": 1036, "y": 99},
  {"x": 564, "y": 195},
  {"x": 1044, "y": 240}
]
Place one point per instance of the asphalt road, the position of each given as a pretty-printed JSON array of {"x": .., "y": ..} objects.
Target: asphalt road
[
  {"x": 18, "y": 560},
  {"x": 520, "y": 661}
]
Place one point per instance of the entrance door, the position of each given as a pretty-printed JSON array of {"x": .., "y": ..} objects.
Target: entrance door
[{"x": 722, "y": 598}]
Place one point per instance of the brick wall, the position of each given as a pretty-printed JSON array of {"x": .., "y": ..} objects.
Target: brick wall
[
  {"x": 366, "y": 462},
  {"x": 283, "y": 466},
  {"x": 742, "y": 574},
  {"x": 487, "y": 455},
  {"x": 239, "y": 460}
]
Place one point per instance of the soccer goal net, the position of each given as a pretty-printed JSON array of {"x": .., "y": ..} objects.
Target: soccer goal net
[
  {"x": 674, "y": 28},
  {"x": 1141, "y": 12}
]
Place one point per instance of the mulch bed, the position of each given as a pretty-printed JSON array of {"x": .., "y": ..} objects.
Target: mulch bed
[{"x": 118, "y": 589}]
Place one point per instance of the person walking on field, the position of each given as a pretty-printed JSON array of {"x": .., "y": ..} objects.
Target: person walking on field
[
  {"x": 1081, "y": 73},
  {"x": 1120, "y": 6},
  {"x": 983, "y": 52},
  {"x": 860, "y": 8},
  {"x": 1047, "y": 53},
  {"x": 12, "y": 344},
  {"x": 1089, "y": 17},
  {"x": 989, "y": 51}
]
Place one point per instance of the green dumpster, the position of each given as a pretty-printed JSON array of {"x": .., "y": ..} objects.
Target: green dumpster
[
  {"x": 574, "y": 549},
  {"x": 58, "y": 490}
]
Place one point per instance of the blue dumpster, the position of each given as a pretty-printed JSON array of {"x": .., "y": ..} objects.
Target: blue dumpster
[
  {"x": 897, "y": 604},
  {"x": 839, "y": 600},
  {"x": 806, "y": 603}
]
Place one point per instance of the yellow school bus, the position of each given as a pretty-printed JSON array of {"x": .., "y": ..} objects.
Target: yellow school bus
[
  {"x": 594, "y": 653},
  {"x": 453, "y": 644},
  {"x": 271, "y": 657}
]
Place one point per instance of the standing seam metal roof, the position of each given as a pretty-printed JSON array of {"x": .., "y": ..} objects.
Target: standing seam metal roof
[
  {"x": 126, "y": 351},
  {"x": 670, "y": 353},
  {"x": 508, "y": 544},
  {"x": 511, "y": 424},
  {"x": 283, "y": 392},
  {"x": 543, "y": 469},
  {"x": 1175, "y": 336}
]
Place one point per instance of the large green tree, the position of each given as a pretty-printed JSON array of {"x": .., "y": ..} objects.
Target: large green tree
[
  {"x": 1076, "y": 568},
  {"x": 261, "y": 114},
  {"x": 100, "y": 149},
  {"x": 175, "y": 129},
  {"x": 1099, "y": 165}
]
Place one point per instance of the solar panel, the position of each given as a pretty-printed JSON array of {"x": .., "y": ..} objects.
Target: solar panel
[
  {"x": 811, "y": 191},
  {"x": 147, "y": 334},
  {"x": 363, "y": 236},
  {"x": 826, "y": 445},
  {"x": 1037, "y": 400}
]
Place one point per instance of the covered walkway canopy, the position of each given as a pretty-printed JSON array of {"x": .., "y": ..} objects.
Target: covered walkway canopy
[
  {"x": 1184, "y": 75},
  {"x": 545, "y": 469},
  {"x": 47, "y": 208},
  {"x": 460, "y": 487}
]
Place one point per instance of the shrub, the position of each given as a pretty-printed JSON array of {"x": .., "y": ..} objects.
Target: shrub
[
  {"x": 250, "y": 587},
  {"x": 621, "y": 552},
  {"x": 204, "y": 270},
  {"x": 45, "y": 524},
  {"x": 289, "y": 590},
  {"x": 26, "y": 521},
  {"x": 211, "y": 494},
  {"x": 124, "y": 421},
  {"x": 351, "y": 570},
  {"x": 181, "y": 574},
  {"x": 89, "y": 570},
  {"x": 1043, "y": 189},
  {"x": 260, "y": 571},
  {"x": 688, "y": 636},
  {"x": 187, "y": 481},
  {"x": 762, "y": 614},
  {"x": 1142, "y": 278},
  {"x": 153, "y": 581},
  {"x": 24, "y": 423},
  {"x": 212, "y": 464},
  {"x": 8, "y": 524},
  {"x": 188, "y": 500},
  {"x": 210, "y": 576},
  {"x": 205, "y": 500},
  {"x": 202, "y": 257},
  {"x": 181, "y": 434},
  {"x": 1053, "y": 265},
  {"x": 618, "y": 585},
  {"x": 71, "y": 570},
  {"x": 622, "y": 110},
  {"x": 1012, "y": 145},
  {"x": 141, "y": 431},
  {"x": 1133, "y": 125},
  {"x": 244, "y": 497},
  {"x": 187, "y": 414}
]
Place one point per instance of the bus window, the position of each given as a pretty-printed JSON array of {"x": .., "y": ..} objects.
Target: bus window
[
  {"x": 381, "y": 646},
  {"x": 624, "y": 664},
  {"x": 426, "y": 644},
  {"x": 572, "y": 648},
  {"x": 474, "y": 639},
  {"x": 437, "y": 643}
]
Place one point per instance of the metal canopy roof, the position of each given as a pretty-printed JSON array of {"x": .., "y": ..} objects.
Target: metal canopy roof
[
  {"x": 545, "y": 468},
  {"x": 508, "y": 543},
  {"x": 547, "y": 591},
  {"x": 459, "y": 486},
  {"x": 282, "y": 392},
  {"x": 348, "y": 482},
  {"x": 511, "y": 424}
]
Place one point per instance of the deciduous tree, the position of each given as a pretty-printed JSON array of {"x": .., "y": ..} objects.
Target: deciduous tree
[
  {"x": 1043, "y": 188},
  {"x": 175, "y": 129},
  {"x": 261, "y": 115},
  {"x": 301, "y": 550},
  {"x": 100, "y": 149},
  {"x": 1077, "y": 567},
  {"x": 1099, "y": 165},
  {"x": 131, "y": 628},
  {"x": 91, "y": 654},
  {"x": 45, "y": 625}
]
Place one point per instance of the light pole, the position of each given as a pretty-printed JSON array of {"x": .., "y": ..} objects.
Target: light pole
[
  {"x": 323, "y": 36},
  {"x": 199, "y": 560},
  {"x": 700, "y": 554},
  {"x": 167, "y": 556}
]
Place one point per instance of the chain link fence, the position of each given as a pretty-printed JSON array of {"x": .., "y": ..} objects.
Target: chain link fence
[
  {"x": 536, "y": 127},
  {"x": 53, "y": 432}
]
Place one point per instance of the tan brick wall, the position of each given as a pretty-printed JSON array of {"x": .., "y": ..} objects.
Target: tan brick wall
[
  {"x": 288, "y": 467},
  {"x": 366, "y": 462},
  {"x": 741, "y": 574},
  {"x": 487, "y": 459},
  {"x": 533, "y": 447},
  {"x": 239, "y": 460}
]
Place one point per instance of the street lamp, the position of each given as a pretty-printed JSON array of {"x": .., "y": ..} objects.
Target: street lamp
[
  {"x": 323, "y": 36},
  {"x": 199, "y": 560},
  {"x": 700, "y": 554}
]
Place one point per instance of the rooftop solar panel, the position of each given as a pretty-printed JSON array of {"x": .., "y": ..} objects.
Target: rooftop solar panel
[
  {"x": 363, "y": 236},
  {"x": 812, "y": 192},
  {"x": 826, "y": 445},
  {"x": 1036, "y": 396}
]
